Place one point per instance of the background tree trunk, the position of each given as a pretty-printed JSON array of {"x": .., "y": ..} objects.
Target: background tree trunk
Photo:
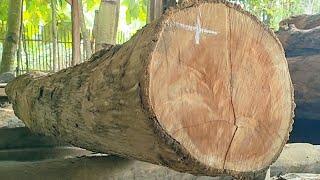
[
  {"x": 19, "y": 53},
  {"x": 76, "y": 41},
  {"x": 188, "y": 91},
  {"x": 157, "y": 7},
  {"x": 12, "y": 36},
  {"x": 54, "y": 35},
  {"x": 106, "y": 24},
  {"x": 85, "y": 33}
]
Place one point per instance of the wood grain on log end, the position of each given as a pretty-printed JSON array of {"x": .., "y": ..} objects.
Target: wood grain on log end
[
  {"x": 225, "y": 93},
  {"x": 205, "y": 89}
]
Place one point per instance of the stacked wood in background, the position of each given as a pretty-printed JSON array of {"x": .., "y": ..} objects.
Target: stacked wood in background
[
  {"x": 300, "y": 36},
  {"x": 205, "y": 89}
]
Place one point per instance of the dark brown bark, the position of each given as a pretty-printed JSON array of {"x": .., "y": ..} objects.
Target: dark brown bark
[
  {"x": 301, "y": 21},
  {"x": 300, "y": 42},
  {"x": 305, "y": 71},
  {"x": 300, "y": 36},
  {"x": 169, "y": 96}
]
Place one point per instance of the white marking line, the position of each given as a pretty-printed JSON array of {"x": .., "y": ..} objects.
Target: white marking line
[{"x": 197, "y": 28}]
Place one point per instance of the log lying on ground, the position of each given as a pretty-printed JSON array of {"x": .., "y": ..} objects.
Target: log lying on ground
[
  {"x": 300, "y": 42},
  {"x": 300, "y": 38},
  {"x": 303, "y": 21},
  {"x": 205, "y": 90},
  {"x": 305, "y": 75}
]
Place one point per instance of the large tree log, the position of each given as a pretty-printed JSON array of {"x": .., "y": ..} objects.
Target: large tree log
[
  {"x": 305, "y": 74},
  {"x": 300, "y": 42},
  {"x": 205, "y": 89},
  {"x": 300, "y": 38},
  {"x": 300, "y": 35},
  {"x": 303, "y": 21}
]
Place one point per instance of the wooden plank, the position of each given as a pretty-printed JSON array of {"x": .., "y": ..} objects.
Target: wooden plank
[{"x": 76, "y": 52}]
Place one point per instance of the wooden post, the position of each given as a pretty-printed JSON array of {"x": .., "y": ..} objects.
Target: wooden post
[{"x": 76, "y": 53}]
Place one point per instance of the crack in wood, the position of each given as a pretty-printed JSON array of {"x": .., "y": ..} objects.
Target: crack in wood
[{"x": 231, "y": 90}]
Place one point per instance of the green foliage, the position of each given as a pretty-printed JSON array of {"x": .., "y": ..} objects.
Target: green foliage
[
  {"x": 272, "y": 12},
  {"x": 136, "y": 10},
  {"x": 3, "y": 10},
  {"x": 39, "y": 12},
  {"x": 92, "y": 4},
  {"x": 36, "y": 12}
]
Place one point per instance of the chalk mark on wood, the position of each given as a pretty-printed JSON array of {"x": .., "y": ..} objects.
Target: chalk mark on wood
[{"x": 197, "y": 28}]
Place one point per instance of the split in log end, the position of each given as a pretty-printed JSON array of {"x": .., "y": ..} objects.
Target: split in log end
[{"x": 220, "y": 86}]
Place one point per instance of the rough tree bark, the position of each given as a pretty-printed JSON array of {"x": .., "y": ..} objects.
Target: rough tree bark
[
  {"x": 300, "y": 41},
  {"x": 305, "y": 75},
  {"x": 302, "y": 21},
  {"x": 205, "y": 89},
  {"x": 12, "y": 36}
]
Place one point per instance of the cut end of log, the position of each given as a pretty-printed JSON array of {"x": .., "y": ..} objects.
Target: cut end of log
[{"x": 220, "y": 86}]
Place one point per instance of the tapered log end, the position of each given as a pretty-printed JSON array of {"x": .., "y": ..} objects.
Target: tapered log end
[
  {"x": 220, "y": 86},
  {"x": 19, "y": 95}
]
